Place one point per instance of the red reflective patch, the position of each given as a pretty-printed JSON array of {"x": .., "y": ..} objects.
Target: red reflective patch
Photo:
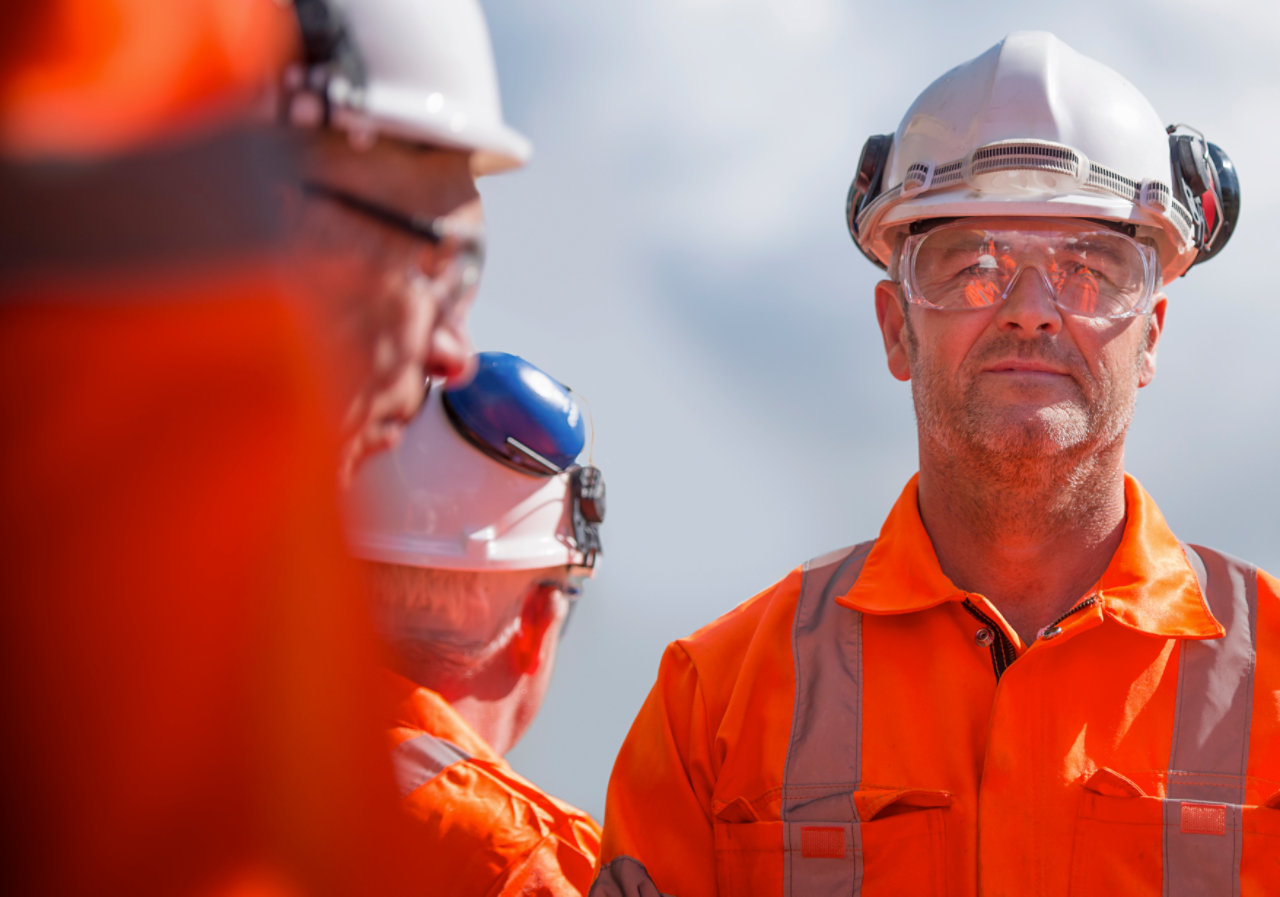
[
  {"x": 1204, "y": 819},
  {"x": 822, "y": 841}
]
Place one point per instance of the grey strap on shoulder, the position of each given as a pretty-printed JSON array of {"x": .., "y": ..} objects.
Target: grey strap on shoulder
[
  {"x": 824, "y": 757},
  {"x": 419, "y": 760},
  {"x": 1209, "y": 753}
]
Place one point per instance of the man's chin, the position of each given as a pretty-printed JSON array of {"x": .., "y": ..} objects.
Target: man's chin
[{"x": 1034, "y": 433}]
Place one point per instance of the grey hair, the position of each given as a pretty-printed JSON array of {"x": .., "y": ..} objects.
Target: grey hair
[{"x": 448, "y": 623}]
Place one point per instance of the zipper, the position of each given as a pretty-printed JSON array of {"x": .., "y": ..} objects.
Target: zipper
[
  {"x": 1052, "y": 630},
  {"x": 1002, "y": 651}
]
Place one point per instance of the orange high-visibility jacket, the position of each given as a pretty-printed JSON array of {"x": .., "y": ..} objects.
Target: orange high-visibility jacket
[
  {"x": 479, "y": 827},
  {"x": 864, "y": 727}
]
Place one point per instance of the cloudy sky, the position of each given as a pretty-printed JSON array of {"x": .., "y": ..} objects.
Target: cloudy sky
[{"x": 676, "y": 253}]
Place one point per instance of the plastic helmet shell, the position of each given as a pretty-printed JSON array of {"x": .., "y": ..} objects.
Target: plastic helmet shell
[
  {"x": 428, "y": 77},
  {"x": 437, "y": 501},
  {"x": 1031, "y": 87}
]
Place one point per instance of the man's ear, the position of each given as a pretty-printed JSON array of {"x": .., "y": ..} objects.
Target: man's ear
[
  {"x": 537, "y": 617},
  {"x": 890, "y": 314},
  {"x": 1155, "y": 326}
]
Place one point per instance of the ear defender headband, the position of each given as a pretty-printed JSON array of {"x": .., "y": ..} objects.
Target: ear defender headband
[{"x": 1204, "y": 178}]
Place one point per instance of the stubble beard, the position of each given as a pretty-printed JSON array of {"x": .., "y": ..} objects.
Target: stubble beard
[{"x": 1018, "y": 443}]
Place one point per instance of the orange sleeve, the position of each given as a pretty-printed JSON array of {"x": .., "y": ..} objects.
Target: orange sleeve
[
  {"x": 557, "y": 867},
  {"x": 480, "y": 828},
  {"x": 658, "y": 811}
]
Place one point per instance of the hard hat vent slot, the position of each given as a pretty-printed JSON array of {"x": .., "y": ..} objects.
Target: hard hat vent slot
[
  {"x": 1023, "y": 167},
  {"x": 918, "y": 177},
  {"x": 1037, "y": 156},
  {"x": 1155, "y": 195}
]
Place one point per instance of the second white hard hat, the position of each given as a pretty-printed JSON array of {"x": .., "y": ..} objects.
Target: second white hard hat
[
  {"x": 415, "y": 70},
  {"x": 484, "y": 479},
  {"x": 1033, "y": 128}
]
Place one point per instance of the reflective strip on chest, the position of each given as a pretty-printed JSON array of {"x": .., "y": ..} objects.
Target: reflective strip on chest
[
  {"x": 419, "y": 760},
  {"x": 1210, "y": 745},
  {"x": 823, "y": 850}
]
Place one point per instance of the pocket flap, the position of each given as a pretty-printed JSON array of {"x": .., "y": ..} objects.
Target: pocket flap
[
  {"x": 874, "y": 803},
  {"x": 737, "y": 810},
  {"x": 1110, "y": 783}
]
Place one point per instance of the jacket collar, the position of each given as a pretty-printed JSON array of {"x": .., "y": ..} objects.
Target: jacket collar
[
  {"x": 416, "y": 709},
  {"x": 1149, "y": 585}
]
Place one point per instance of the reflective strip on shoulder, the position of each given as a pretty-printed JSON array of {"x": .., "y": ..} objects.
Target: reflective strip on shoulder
[
  {"x": 419, "y": 760},
  {"x": 824, "y": 761},
  {"x": 1210, "y": 746},
  {"x": 624, "y": 876}
]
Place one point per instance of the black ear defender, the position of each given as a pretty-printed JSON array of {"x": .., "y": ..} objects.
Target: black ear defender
[
  {"x": 1205, "y": 181},
  {"x": 867, "y": 185},
  {"x": 328, "y": 53}
]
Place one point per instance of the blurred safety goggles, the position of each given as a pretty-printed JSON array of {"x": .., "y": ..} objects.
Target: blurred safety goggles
[
  {"x": 469, "y": 245},
  {"x": 1098, "y": 273}
]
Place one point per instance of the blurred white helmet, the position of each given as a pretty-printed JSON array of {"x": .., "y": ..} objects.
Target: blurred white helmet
[
  {"x": 415, "y": 70},
  {"x": 1033, "y": 128},
  {"x": 483, "y": 479}
]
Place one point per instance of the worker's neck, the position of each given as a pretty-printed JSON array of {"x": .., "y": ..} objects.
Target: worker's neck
[
  {"x": 1031, "y": 535},
  {"x": 496, "y": 719},
  {"x": 492, "y": 701}
]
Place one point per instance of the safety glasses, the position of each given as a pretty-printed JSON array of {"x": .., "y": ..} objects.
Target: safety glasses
[
  {"x": 437, "y": 231},
  {"x": 1098, "y": 273}
]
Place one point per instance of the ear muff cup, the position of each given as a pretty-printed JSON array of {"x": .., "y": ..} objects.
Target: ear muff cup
[
  {"x": 1209, "y": 187},
  {"x": 1229, "y": 205},
  {"x": 868, "y": 181}
]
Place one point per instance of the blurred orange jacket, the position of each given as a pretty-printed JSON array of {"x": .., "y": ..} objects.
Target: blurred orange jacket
[
  {"x": 479, "y": 828},
  {"x": 864, "y": 727},
  {"x": 185, "y": 661}
]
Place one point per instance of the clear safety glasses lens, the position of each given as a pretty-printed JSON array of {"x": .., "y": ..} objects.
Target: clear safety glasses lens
[{"x": 1096, "y": 273}]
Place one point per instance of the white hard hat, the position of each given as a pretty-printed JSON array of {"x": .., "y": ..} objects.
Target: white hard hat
[
  {"x": 483, "y": 479},
  {"x": 1033, "y": 128},
  {"x": 414, "y": 70}
]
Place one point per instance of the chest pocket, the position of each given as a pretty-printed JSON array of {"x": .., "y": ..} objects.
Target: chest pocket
[
  {"x": 1129, "y": 842},
  {"x": 870, "y": 842}
]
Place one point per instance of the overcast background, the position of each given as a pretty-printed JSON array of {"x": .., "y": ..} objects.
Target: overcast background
[{"x": 676, "y": 253}]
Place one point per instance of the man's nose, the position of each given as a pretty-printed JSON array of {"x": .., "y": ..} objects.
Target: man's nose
[
  {"x": 450, "y": 353},
  {"x": 1028, "y": 305}
]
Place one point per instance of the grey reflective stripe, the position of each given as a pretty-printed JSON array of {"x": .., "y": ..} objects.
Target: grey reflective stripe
[
  {"x": 1210, "y": 747},
  {"x": 824, "y": 762},
  {"x": 419, "y": 760}
]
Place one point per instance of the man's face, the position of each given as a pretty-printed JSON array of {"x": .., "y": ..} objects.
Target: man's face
[
  {"x": 393, "y": 305},
  {"x": 1021, "y": 379}
]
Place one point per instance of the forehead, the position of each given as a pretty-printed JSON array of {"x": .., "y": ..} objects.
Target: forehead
[{"x": 389, "y": 169}]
